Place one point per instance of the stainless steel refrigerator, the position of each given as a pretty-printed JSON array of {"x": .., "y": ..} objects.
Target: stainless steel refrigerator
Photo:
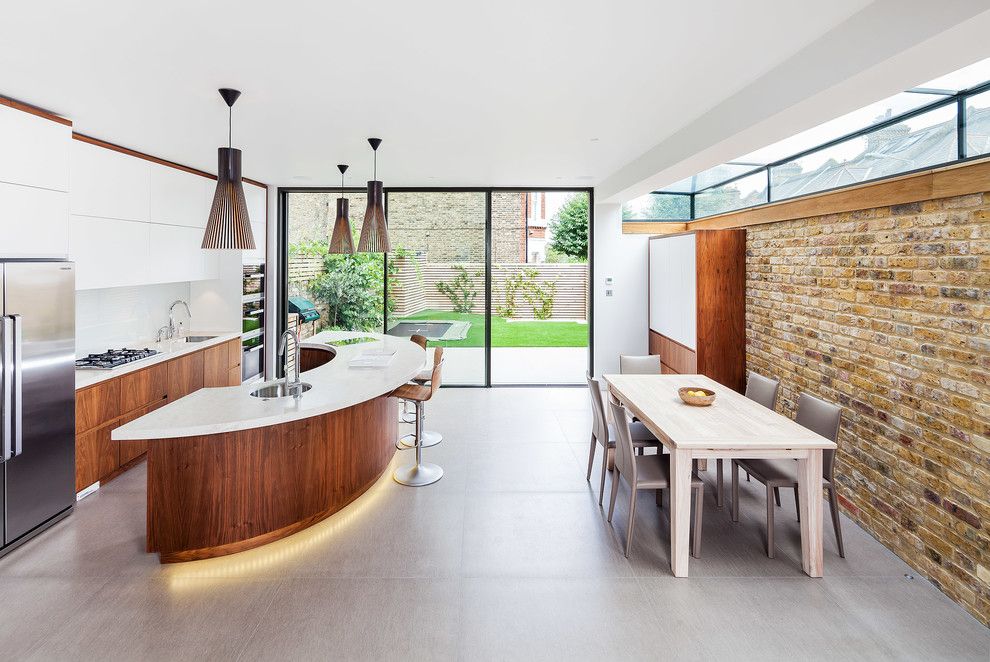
[{"x": 37, "y": 396}]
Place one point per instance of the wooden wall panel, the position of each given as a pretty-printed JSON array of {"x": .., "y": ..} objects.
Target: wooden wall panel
[
  {"x": 722, "y": 306},
  {"x": 219, "y": 494}
]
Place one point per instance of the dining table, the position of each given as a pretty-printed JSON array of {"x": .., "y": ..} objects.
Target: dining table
[{"x": 731, "y": 427}]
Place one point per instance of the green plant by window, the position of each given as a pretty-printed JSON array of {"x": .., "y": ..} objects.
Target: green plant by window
[
  {"x": 461, "y": 290},
  {"x": 513, "y": 284},
  {"x": 539, "y": 295}
]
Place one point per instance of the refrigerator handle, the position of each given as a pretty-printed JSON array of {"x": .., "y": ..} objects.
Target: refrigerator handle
[
  {"x": 6, "y": 388},
  {"x": 18, "y": 368}
]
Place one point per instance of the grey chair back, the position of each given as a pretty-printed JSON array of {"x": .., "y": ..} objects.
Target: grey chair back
[
  {"x": 625, "y": 458},
  {"x": 762, "y": 389},
  {"x": 599, "y": 426},
  {"x": 824, "y": 418},
  {"x": 639, "y": 365}
]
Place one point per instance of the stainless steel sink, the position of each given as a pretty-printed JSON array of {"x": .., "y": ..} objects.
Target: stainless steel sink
[
  {"x": 199, "y": 338},
  {"x": 277, "y": 389}
]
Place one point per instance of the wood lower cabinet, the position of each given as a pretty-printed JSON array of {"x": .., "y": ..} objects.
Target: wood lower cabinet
[
  {"x": 96, "y": 456},
  {"x": 185, "y": 374},
  {"x": 105, "y": 406}
]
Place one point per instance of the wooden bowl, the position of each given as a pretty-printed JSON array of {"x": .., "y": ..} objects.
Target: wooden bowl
[{"x": 696, "y": 400}]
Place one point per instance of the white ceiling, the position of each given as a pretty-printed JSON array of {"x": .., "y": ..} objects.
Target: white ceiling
[
  {"x": 507, "y": 93},
  {"x": 545, "y": 93}
]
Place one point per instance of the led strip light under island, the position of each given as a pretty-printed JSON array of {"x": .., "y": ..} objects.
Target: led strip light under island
[{"x": 228, "y": 471}]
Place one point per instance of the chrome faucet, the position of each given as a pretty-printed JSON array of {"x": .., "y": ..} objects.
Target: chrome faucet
[
  {"x": 171, "y": 316},
  {"x": 295, "y": 388}
]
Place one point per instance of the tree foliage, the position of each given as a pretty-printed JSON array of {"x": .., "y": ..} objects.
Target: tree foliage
[{"x": 569, "y": 227}]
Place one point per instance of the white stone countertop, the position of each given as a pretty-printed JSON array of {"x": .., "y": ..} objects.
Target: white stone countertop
[
  {"x": 168, "y": 349},
  {"x": 336, "y": 386}
]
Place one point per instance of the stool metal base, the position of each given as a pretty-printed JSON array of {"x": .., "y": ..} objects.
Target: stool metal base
[
  {"x": 430, "y": 438},
  {"x": 418, "y": 475}
]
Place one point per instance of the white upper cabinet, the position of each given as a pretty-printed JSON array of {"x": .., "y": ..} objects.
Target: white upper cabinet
[
  {"x": 179, "y": 197},
  {"x": 257, "y": 204},
  {"x": 108, "y": 184},
  {"x": 34, "y": 222},
  {"x": 109, "y": 252},
  {"x": 176, "y": 256},
  {"x": 34, "y": 151}
]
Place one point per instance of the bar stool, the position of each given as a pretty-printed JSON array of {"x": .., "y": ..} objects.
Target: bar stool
[
  {"x": 406, "y": 416},
  {"x": 421, "y": 473},
  {"x": 428, "y": 437}
]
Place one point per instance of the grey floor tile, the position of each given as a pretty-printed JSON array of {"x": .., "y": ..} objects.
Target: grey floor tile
[
  {"x": 911, "y": 617},
  {"x": 34, "y": 607},
  {"x": 523, "y": 467},
  {"x": 753, "y": 618},
  {"x": 366, "y": 619},
  {"x": 103, "y": 537},
  {"x": 538, "y": 535},
  {"x": 559, "y": 619},
  {"x": 149, "y": 619}
]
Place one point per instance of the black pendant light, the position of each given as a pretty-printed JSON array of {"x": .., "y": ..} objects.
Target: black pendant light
[
  {"x": 374, "y": 232},
  {"x": 341, "y": 240},
  {"x": 229, "y": 226}
]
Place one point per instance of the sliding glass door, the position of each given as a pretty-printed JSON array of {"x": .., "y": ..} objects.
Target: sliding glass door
[
  {"x": 500, "y": 278},
  {"x": 540, "y": 281},
  {"x": 436, "y": 276}
]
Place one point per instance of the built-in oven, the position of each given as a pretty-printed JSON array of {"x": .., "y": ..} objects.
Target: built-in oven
[{"x": 253, "y": 322}]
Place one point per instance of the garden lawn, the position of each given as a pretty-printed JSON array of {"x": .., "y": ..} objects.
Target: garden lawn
[{"x": 510, "y": 334}]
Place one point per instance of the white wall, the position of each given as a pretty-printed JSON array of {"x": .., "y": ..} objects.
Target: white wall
[
  {"x": 118, "y": 316},
  {"x": 622, "y": 320}
]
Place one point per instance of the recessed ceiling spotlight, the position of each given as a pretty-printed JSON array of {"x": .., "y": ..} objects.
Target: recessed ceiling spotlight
[{"x": 594, "y": 140}]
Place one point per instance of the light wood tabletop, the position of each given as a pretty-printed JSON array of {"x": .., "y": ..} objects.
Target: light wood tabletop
[
  {"x": 732, "y": 427},
  {"x": 732, "y": 422}
]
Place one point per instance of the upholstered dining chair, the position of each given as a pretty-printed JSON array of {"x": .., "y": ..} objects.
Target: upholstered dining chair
[
  {"x": 603, "y": 434},
  {"x": 646, "y": 472},
  {"x": 818, "y": 416},
  {"x": 639, "y": 365},
  {"x": 758, "y": 389}
]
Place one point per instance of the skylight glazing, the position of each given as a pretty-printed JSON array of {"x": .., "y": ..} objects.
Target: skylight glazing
[{"x": 940, "y": 121}]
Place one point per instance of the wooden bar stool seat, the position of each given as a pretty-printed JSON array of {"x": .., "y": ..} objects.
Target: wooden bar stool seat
[{"x": 421, "y": 473}]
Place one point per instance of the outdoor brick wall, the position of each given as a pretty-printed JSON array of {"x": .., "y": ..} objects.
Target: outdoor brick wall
[
  {"x": 443, "y": 227},
  {"x": 887, "y": 312}
]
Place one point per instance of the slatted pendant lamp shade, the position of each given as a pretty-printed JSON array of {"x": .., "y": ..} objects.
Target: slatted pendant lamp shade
[
  {"x": 341, "y": 241},
  {"x": 374, "y": 232},
  {"x": 229, "y": 226}
]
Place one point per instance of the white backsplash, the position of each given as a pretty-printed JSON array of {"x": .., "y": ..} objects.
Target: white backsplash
[{"x": 118, "y": 316}]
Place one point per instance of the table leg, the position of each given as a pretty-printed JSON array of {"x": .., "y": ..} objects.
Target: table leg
[
  {"x": 680, "y": 511},
  {"x": 810, "y": 488}
]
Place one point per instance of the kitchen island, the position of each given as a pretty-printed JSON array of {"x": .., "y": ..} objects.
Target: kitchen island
[{"x": 228, "y": 471}]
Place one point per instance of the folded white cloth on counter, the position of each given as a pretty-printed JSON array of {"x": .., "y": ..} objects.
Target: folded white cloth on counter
[{"x": 371, "y": 360}]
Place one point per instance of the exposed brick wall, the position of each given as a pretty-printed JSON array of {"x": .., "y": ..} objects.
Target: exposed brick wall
[{"x": 887, "y": 312}]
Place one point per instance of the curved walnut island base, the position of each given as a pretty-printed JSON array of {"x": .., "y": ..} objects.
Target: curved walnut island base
[{"x": 228, "y": 472}]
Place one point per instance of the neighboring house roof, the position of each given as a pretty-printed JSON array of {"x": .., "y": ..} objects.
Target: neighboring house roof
[{"x": 888, "y": 151}]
